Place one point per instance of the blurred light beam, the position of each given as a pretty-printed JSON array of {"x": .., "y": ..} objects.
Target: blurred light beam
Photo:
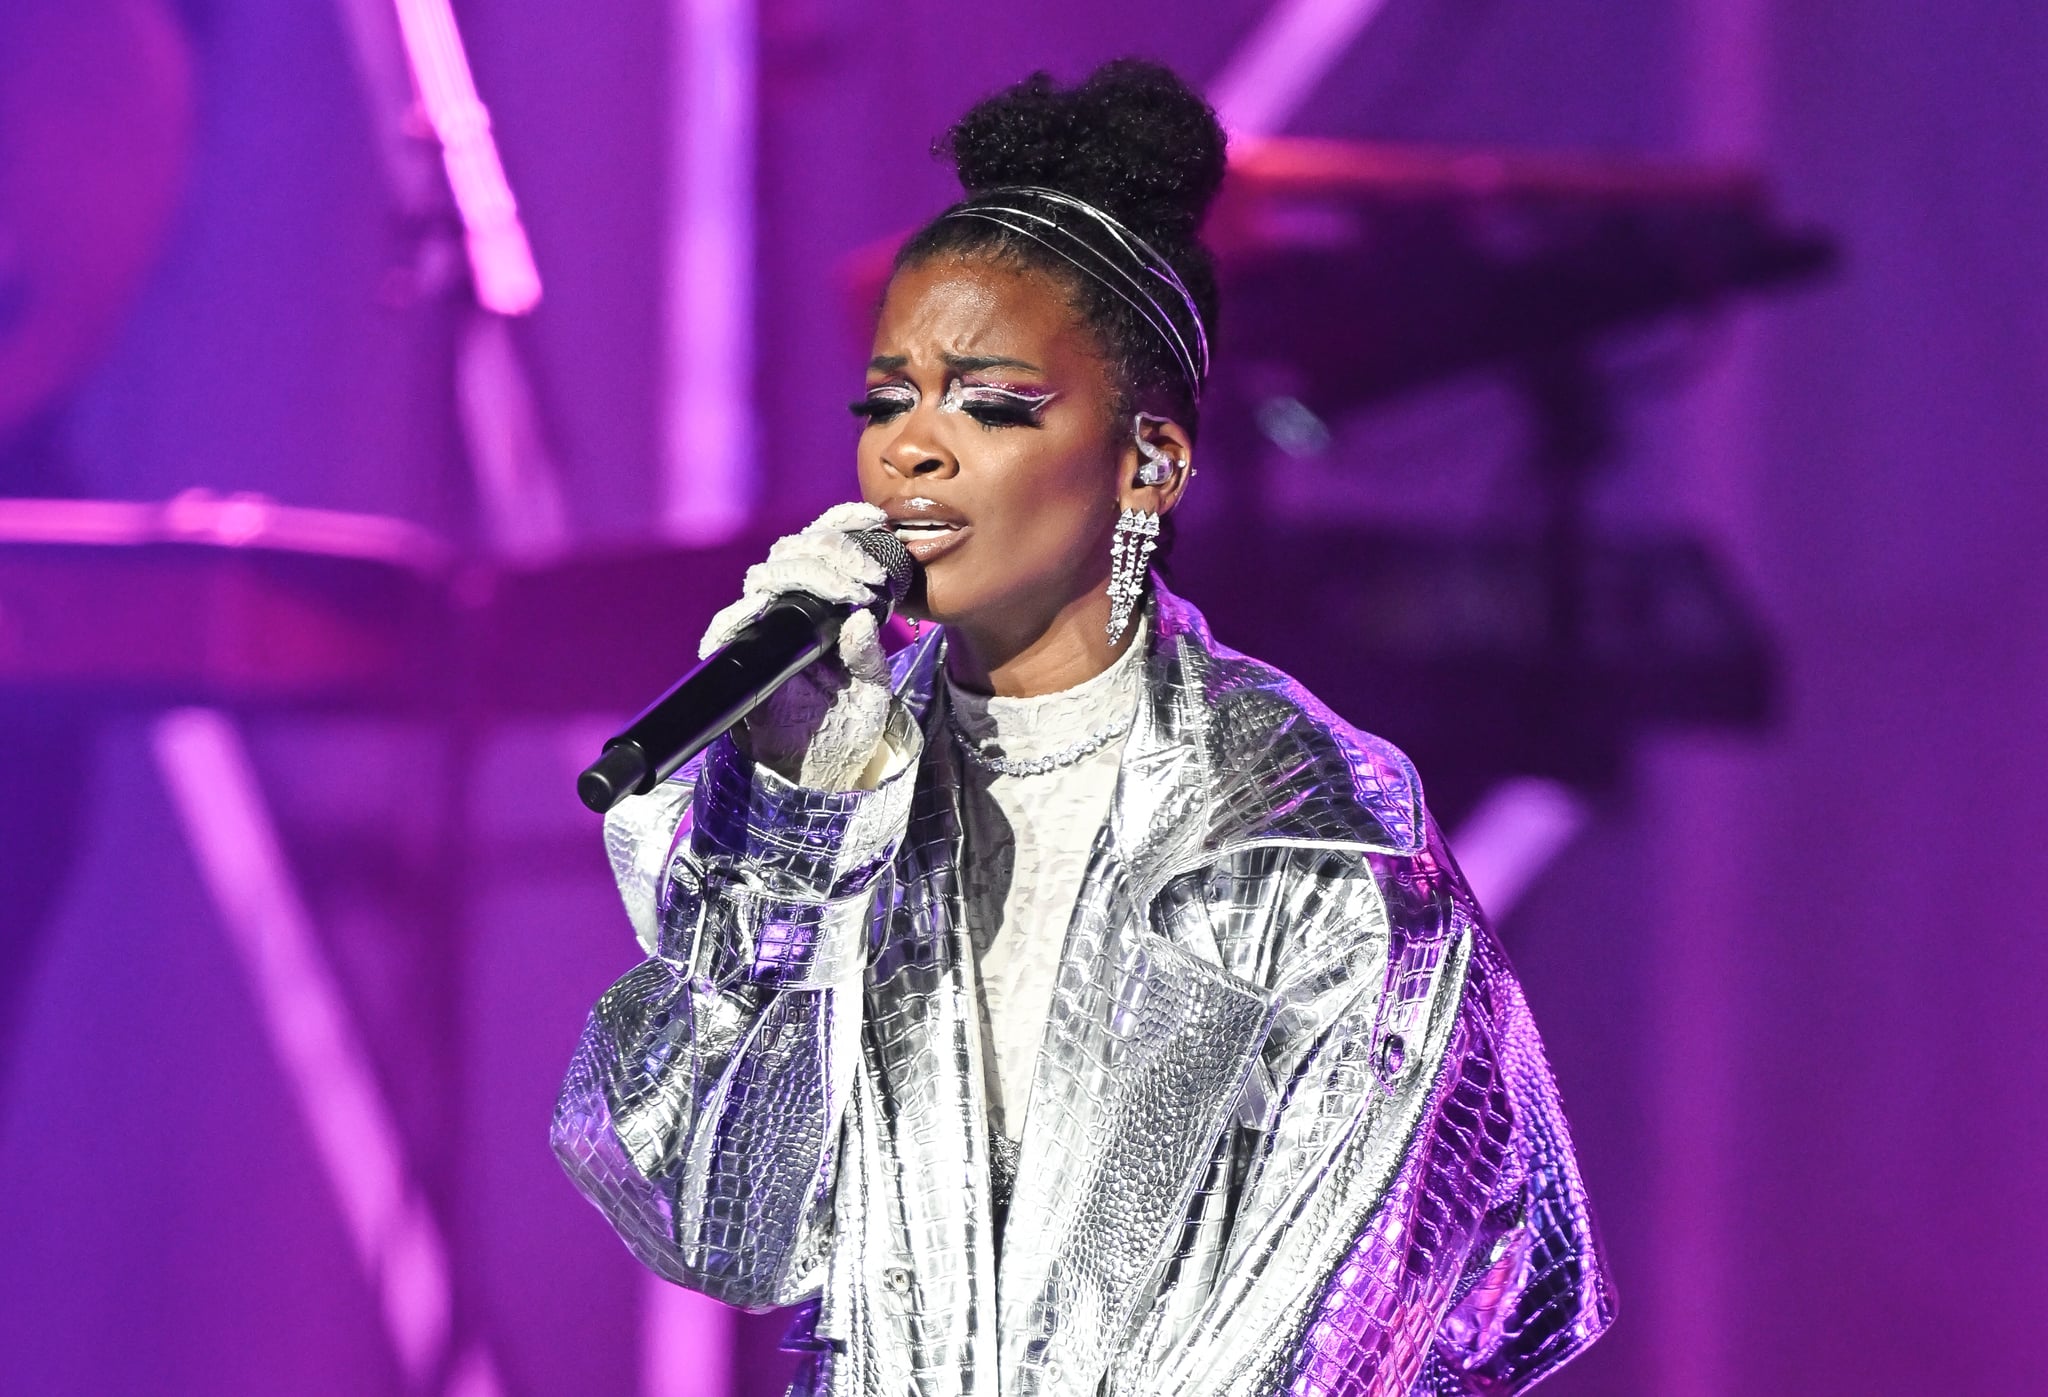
[
  {"x": 709, "y": 425},
  {"x": 686, "y": 1342},
  {"x": 326, "y": 1065},
  {"x": 500, "y": 258},
  {"x": 1518, "y": 829},
  {"x": 1279, "y": 65}
]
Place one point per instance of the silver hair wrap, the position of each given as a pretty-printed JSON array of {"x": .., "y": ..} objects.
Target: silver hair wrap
[{"x": 1104, "y": 249}]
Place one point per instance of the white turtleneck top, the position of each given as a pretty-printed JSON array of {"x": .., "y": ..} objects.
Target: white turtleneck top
[{"x": 1028, "y": 840}]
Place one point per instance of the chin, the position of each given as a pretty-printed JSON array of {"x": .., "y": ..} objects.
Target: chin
[
  {"x": 1031, "y": 607},
  {"x": 948, "y": 597}
]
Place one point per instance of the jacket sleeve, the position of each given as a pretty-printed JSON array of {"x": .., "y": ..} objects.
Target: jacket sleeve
[
  {"x": 701, "y": 1111},
  {"x": 1413, "y": 1221}
]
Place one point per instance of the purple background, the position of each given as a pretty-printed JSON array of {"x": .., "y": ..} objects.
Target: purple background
[{"x": 1790, "y": 983}]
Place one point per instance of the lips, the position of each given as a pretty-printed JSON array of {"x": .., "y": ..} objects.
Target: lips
[
  {"x": 927, "y": 542},
  {"x": 926, "y": 528}
]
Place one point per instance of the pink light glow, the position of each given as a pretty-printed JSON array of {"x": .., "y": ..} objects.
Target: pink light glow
[
  {"x": 238, "y": 520},
  {"x": 1279, "y": 64},
  {"x": 500, "y": 258},
  {"x": 709, "y": 429},
  {"x": 1518, "y": 830}
]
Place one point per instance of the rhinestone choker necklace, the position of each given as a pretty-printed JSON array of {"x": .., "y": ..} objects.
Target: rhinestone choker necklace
[{"x": 1051, "y": 761}]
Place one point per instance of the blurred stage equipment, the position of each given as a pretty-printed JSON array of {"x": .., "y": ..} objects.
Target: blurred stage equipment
[
  {"x": 230, "y": 602},
  {"x": 271, "y": 567},
  {"x": 1370, "y": 270},
  {"x": 467, "y": 252},
  {"x": 97, "y": 111},
  {"x": 240, "y": 603},
  {"x": 1355, "y": 273},
  {"x": 96, "y": 118}
]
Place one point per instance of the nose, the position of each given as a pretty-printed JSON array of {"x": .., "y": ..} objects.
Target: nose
[{"x": 917, "y": 450}]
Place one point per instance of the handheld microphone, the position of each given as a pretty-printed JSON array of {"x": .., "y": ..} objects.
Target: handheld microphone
[{"x": 795, "y": 630}]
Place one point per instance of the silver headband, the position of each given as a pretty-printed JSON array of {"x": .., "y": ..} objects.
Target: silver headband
[{"x": 1130, "y": 267}]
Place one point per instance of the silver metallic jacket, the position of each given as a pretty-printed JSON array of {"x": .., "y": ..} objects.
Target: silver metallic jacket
[{"x": 1291, "y": 1129}]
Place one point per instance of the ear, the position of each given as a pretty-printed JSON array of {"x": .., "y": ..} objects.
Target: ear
[{"x": 1154, "y": 441}]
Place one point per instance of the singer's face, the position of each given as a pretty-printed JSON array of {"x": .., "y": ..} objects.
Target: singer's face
[{"x": 988, "y": 436}]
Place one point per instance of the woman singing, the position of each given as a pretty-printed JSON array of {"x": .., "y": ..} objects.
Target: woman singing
[{"x": 1071, "y": 1005}]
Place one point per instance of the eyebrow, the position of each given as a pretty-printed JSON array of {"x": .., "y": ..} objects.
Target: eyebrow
[{"x": 962, "y": 363}]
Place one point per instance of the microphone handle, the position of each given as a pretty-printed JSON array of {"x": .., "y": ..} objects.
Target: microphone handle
[{"x": 719, "y": 692}]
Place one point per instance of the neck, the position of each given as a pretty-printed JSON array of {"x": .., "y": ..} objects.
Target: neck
[{"x": 1027, "y": 658}]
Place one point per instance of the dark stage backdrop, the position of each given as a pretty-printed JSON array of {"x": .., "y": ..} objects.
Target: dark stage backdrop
[{"x": 1790, "y": 983}]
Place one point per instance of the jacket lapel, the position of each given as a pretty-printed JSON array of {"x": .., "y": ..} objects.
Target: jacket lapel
[
  {"x": 923, "y": 1026},
  {"x": 1145, "y": 1051}
]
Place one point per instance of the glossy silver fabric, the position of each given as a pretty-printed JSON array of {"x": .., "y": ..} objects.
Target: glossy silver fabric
[{"x": 1291, "y": 1130}]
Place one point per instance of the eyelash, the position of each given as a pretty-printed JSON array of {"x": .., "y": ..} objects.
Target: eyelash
[
  {"x": 872, "y": 409},
  {"x": 991, "y": 412},
  {"x": 992, "y": 415}
]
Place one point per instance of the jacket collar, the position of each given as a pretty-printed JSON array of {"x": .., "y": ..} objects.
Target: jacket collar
[{"x": 1228, "y": 752}]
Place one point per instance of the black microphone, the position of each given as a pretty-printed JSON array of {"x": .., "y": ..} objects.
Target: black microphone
[{"x": 792, "y": 632}]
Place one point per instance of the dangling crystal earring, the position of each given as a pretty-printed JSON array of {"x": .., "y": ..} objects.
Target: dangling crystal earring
[{"x": 1130, "y": 551}]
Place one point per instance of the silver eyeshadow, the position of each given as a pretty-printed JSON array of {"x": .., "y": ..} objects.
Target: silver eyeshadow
[
  {"x": 902, "y": 396},
  {"x": 959, "y": 397}
]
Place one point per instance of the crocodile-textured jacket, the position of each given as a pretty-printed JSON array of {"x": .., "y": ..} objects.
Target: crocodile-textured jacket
[{"x": 1291, "y": 1128}]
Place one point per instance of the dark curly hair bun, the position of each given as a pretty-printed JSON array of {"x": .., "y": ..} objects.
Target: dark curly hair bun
[
  {"x": 1132, "y": 138},
  {"x": 1134, "y": 141}
]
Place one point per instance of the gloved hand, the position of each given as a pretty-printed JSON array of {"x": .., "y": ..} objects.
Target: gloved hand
[{"x": 824, "y": 727}]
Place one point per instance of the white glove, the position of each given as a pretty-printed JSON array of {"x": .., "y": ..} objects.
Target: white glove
[{"x": 822, "y": 729}]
